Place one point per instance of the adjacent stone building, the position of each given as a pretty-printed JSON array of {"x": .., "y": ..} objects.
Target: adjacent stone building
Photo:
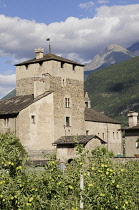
[
  {"x": 50, "y": 104},
  {"x": 131, "y": 135}
]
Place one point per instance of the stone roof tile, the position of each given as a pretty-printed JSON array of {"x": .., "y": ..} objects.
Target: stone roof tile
[
  {"x": 17, "y": 103},
  {"x": 81, "y": 139},
  {"x": 93, "y": 116},
  {"x": 48, "y": 57}
]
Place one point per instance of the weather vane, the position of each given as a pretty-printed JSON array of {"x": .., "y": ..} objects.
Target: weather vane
[{"x": 49, "y": 44}]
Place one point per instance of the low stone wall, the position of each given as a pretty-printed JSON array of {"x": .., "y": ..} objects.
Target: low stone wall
[{"x": 125, "y": 159}]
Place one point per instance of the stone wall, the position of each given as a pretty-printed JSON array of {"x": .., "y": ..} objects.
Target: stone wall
[
  {"x": 36, "y": 128},
  {"x": 25, "y": 75},
  {"x": 109, "y": 132},
  {"x": 73, "y": 89},
  {"x": 9, "y": 125},
  {"x": 130, "y": 146}
]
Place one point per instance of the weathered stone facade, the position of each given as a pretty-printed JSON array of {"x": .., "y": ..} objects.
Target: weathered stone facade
[
  {"x": 56, "y": 109},
  {"x": 131, "y": 135},
  {"x": 109, "y": 132}
]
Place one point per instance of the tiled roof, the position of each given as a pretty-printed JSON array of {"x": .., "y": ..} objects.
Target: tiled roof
[
  {"x": 131, "y": 128},
  {"x": 93, "y": 116},
  {"x": 48, "y": 57},
  {"x": 81, "y": 139},
  {"x": 15, "y": 104}
]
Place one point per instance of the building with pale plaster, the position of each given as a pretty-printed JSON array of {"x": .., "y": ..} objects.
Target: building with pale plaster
[
  {"x": 131, "y": 135},
  {"x": 50, "y": 104}
]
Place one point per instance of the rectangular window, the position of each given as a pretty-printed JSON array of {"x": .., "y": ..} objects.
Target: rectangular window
[
  {"x": 67, "y": 121},
  {"x": 33, "y": 119},
  {"x": 67, "y": 102},
  {"x": 137, "y": 144},
  {"x": 6, "y": 122},
  {"x": 117, "y": 135},
  {"x": 87, "y": 132},
  {"x": 103, "y": 135},
  {"x": 86, "y": 104}
]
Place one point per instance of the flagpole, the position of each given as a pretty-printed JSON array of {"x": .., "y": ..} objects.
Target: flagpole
[{"x": 49, "y": 45}]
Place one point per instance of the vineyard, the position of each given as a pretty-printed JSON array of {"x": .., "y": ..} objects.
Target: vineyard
[{"x": 106, "y": 184}]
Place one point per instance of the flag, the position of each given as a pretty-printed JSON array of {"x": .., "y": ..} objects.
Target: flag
[{"x": 48, "y": 39}]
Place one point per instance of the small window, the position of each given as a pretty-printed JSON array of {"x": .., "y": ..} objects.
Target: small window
[
  {"x": 86, "y": 104},
  {"x": 26, "y": 66},
  {"x": 113, "y": 135},
  {"x": 63, "y": 82},
  {"x": 87, "y": 132},
  {"x": 117, "y": 135},
  {"x": 6, "y": 122},
  {"x": 67, "y": 121},
  {"x": 67, "y": 102},
  {"x": 62, "y": 64},
  {"x": 33, "y": 119},
  {"x": 137, "y": 145},
  {"x": 103, "y": 135}
]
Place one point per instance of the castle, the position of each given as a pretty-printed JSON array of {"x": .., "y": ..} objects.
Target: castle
[{"x": 50, "y": 109}]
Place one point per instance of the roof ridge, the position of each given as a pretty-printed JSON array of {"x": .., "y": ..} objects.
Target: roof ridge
[{"x": 46, "y": 57}]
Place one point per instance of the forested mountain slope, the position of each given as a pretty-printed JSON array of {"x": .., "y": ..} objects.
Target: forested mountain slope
[{"x": 114, "y": 90}]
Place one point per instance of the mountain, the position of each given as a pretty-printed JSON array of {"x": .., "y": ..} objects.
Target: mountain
[
  {"x": 134, "y": 48},
  {"x": 9, "y": 95},
  {"x": 114, "y": 90},
  {"x": 110, "y": 55}
]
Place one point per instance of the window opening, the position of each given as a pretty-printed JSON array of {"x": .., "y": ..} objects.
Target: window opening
[
  {"x": 67, "y": 121},
  {"x": 87, "y": 132},
  {"x": 33, "y": 119},
  {"x": 67, "y": 102},
  {"x": 86, "y": 104},
  {"x": 117, "y": 135},
  {"x": 6, "y": 122}
]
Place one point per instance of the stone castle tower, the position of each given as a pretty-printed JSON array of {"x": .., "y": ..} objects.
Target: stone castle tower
[{"x": 62, "y": 77}]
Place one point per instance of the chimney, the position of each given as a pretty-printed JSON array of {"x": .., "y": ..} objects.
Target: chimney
[
  {"x": 132, "y": 118},
  {"x": 39, "y": 87},
  {"x": 39, "y": 53}
]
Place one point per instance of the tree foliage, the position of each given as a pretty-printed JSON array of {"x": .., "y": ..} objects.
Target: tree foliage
[
  {"x": 108, "y": 184},
  {"x": 115, "y": 89}
]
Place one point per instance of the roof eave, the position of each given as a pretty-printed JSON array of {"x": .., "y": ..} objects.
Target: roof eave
[
  {"x": 42, "y": 60},
  {"x": 103, "y": 121}
]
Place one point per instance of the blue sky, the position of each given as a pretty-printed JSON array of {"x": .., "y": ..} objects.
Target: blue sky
[{"x": 78, "y": 30}]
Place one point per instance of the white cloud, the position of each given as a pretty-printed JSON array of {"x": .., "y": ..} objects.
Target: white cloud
[
  {"x": 87, "y": 5},
  {"x": 7, "y": 83},
  {"x": 79, "y": 39},
  {"x": 76, "y": 39},
  {"x": 103, "y": 1}
]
